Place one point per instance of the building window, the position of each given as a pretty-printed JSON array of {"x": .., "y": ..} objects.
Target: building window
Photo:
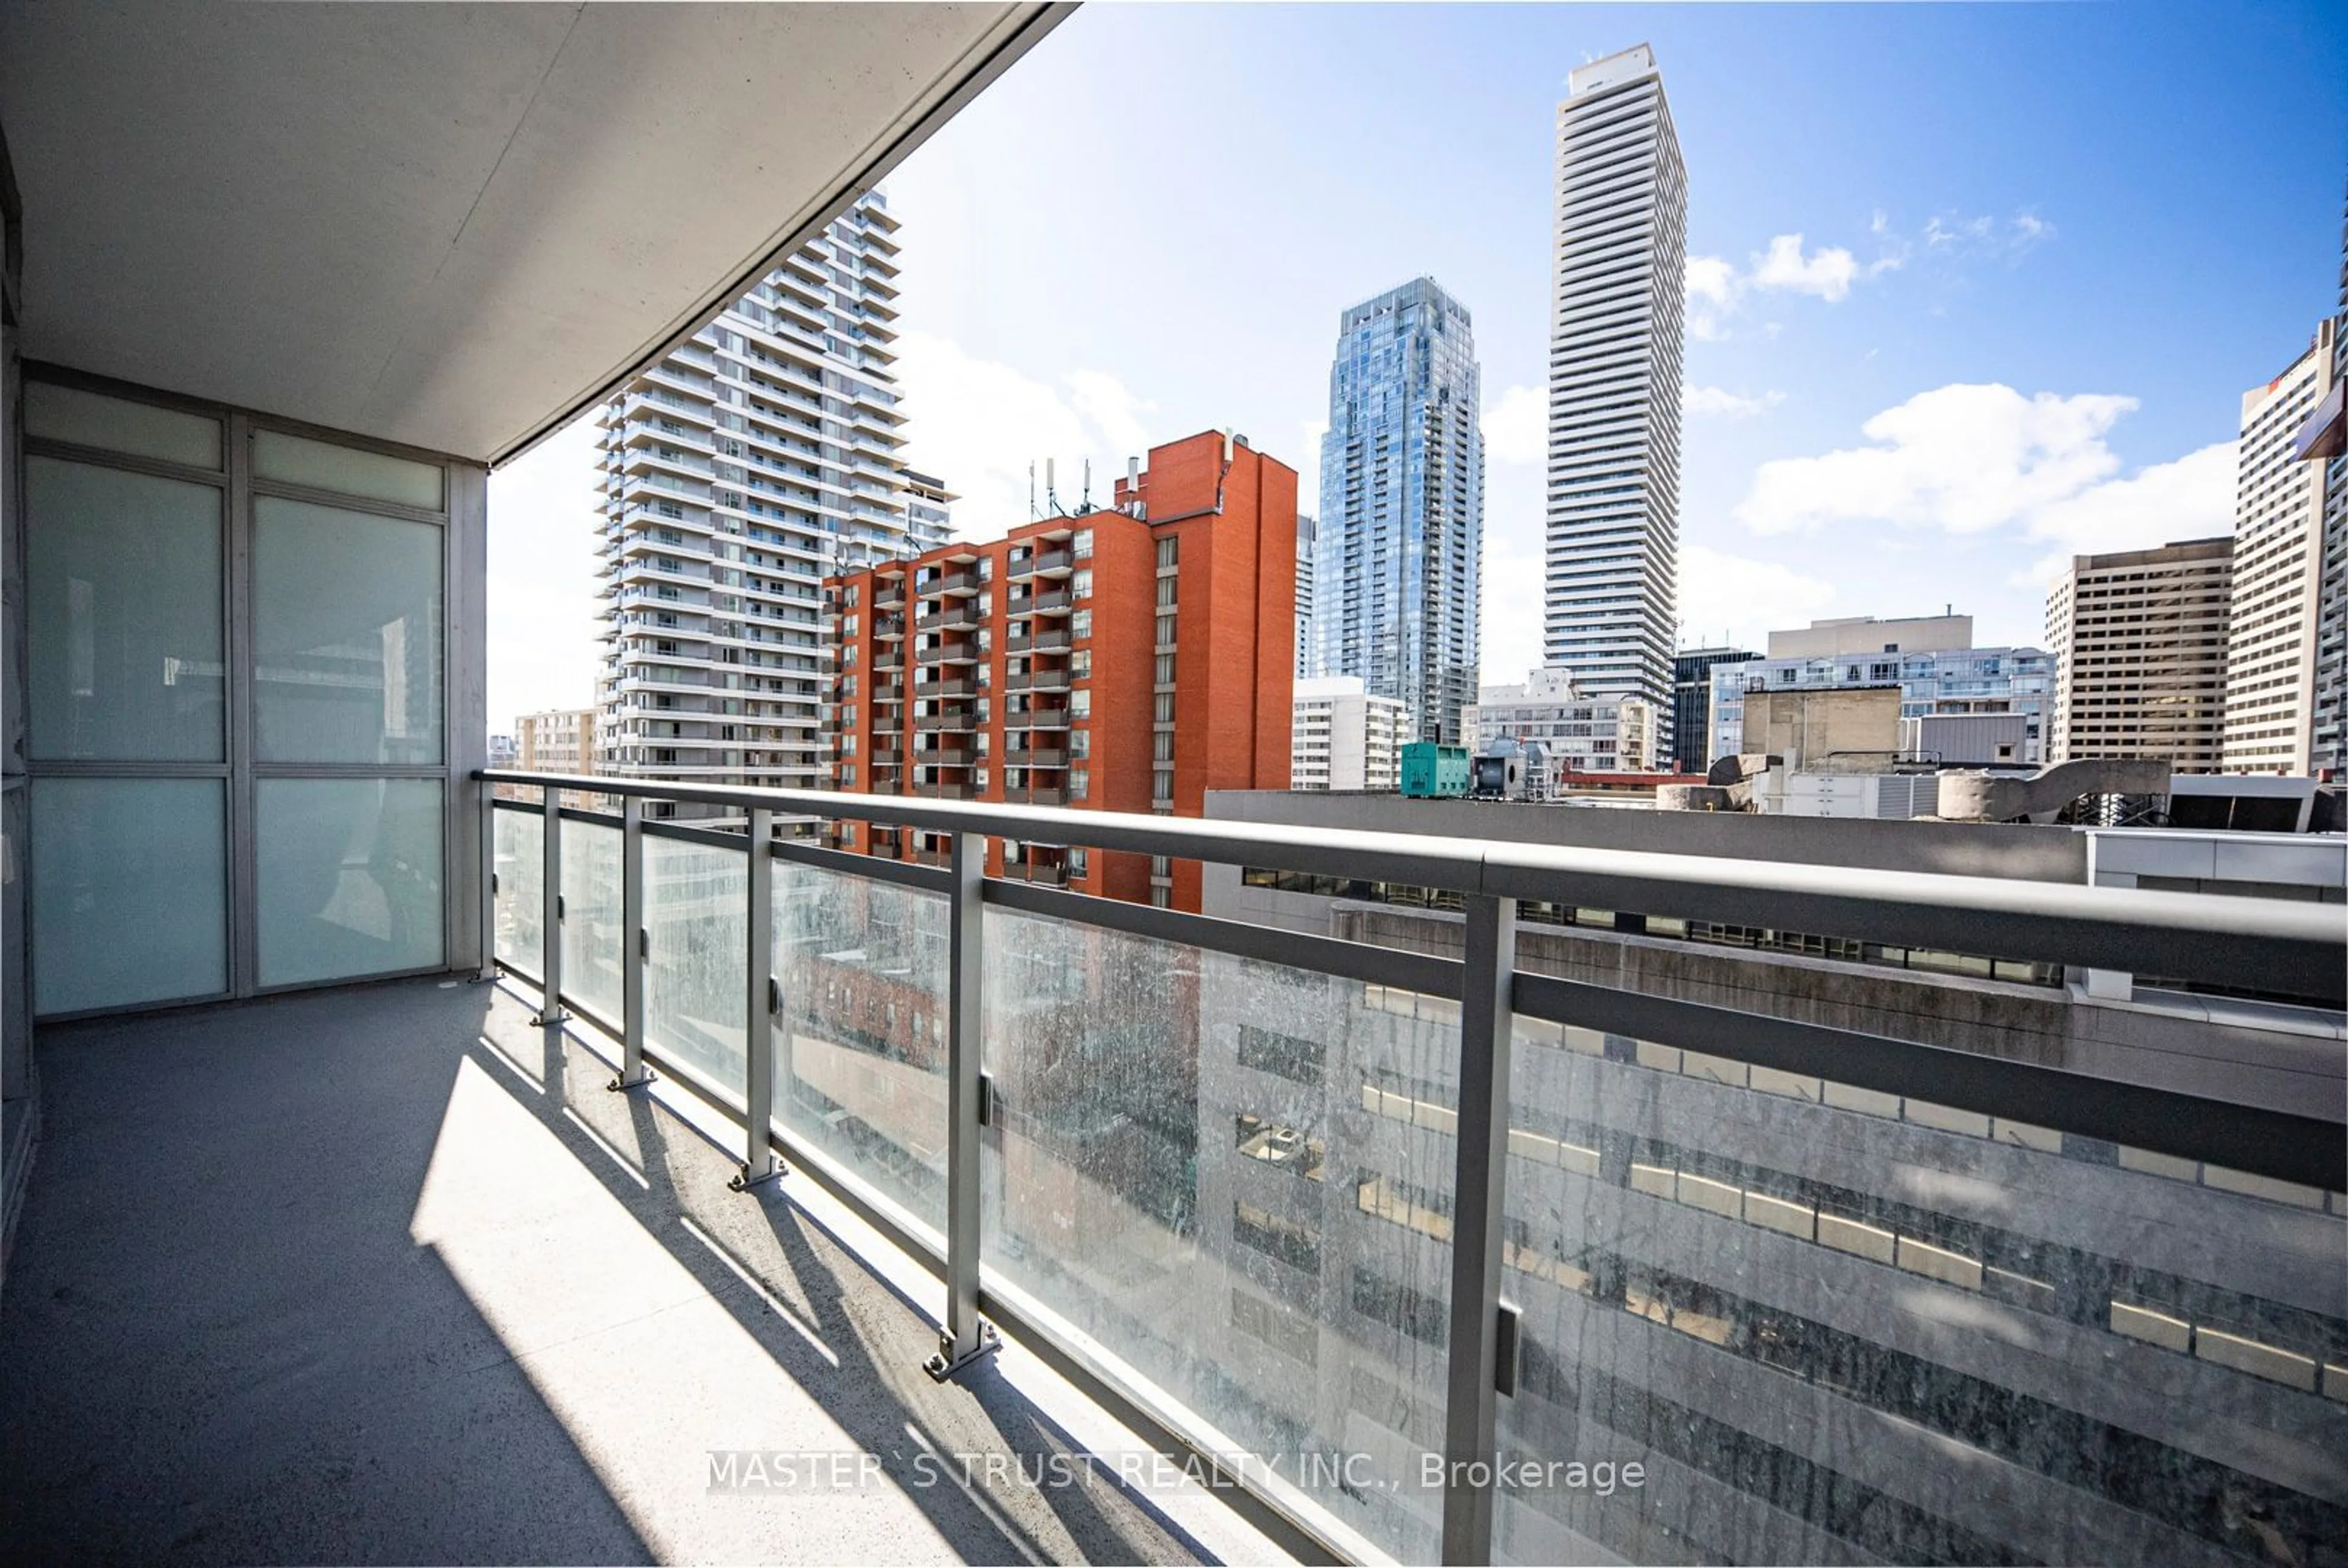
[
  {"x": 1080, "y": 702},
  {"x": 1080, "y": 783},
  {"x": 1080, "y": 665},
  {"x": 1081, "y": 624},
  {"x": 1165, "y": 668},
  {"x": 1081, "y": 585},
  {"x": 1282, "y": 1054},
  {"x": 1165, "y": 631},
  {"x": 1083, "y": 549},
  {"x": 1169, "y": 551},
  {"x": 1161, "y": 707},
  {"x": 1080, "y": 742},
  {"x": 1161, "y": 786}
]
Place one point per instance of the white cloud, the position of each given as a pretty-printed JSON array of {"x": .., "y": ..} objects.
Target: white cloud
[
  {"x": 1740, "y": 599},
  {"x": 1954, "y": 234},
  {"x": 978, "y": 425},
  {"x": 1724, "y": 404},
  {"x": 1965, "y": 459},
  {"x": 1828, "y": 273},
  {"x": 2190, "y": 498},
  {"x": 1716, "y": 287},
  {"x": 1516, "y": 427}
]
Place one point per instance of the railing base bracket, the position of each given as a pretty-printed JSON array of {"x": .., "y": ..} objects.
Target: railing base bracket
[
  {"x": 621, "y": 1083},
  {"x": 745, "y": 1179},
  {"x": 944, "y": 1366},
  {"x": 551, "y": 1017}
]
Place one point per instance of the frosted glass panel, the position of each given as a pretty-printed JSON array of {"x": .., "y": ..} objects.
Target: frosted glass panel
[
  {"x": 129, "y": 892},
  {"x": 521, "y": 890},
  {"x": 118, "y": 425},
  {"x": 123, "y": 615},
  {"x": 860, "y": 1044},
  {"x": 350, "y": 877},
  {"x": 592, "y": 937},
  {"x": 1184, "y": 1166},
  {"x": 297, "y": 460},
  {"x": 347, "y": 612},
  {"x": 1832, "y": 1325},
  {"x": 695, "y": 906}
]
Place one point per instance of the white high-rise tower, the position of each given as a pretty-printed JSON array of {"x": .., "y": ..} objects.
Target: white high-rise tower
[
  {"x": 1610, "y": 605},
  {"x": 738, "y": 473}
]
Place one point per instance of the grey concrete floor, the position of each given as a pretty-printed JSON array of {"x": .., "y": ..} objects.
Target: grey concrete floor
[{"x": 385, "y": 1275}]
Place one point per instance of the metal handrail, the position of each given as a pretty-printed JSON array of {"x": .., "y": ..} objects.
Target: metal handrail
[{"x": 2204, "y": 937}]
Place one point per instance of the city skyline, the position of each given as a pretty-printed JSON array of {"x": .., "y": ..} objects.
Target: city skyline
[{"x": 1881, "y": 273}]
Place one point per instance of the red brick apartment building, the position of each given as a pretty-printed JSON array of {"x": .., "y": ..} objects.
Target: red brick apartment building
[{"x": 1127, "y": 660}]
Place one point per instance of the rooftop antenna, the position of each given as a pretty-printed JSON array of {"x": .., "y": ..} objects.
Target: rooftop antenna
[
  {"x": 1031, "y": 490},
  {"x": 1085, "y": 506},
  {"x": 1051, "y": 488}
]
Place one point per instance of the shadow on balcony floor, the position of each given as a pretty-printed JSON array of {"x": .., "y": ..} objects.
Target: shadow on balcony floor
[{"x": 384, "y": 1274}]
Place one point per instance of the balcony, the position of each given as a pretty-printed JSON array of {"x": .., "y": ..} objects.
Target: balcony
[
  {"x": 962, "y": 651},
  {"x": 1049, "y": 602},
  {"x": 1048, "y": 563},
  {"x": 946, "y": 791},
  {"x": 1714, "y": 1213},
  {"x": 1043, "y": 642},
  {"x": 1036, "y": 757},
  {"x": 1691, "y": 1223},
  {"x": 949, "y": 686},
  {"x": 958, "y": 616},
  {"x": 964, "y": 584},
  {"x": 948, "y": 721},
  {"x": 1039, "y": 795}
]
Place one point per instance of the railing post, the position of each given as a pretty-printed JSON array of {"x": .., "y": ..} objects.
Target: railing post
[
  {"x": 551, "y": 1010},
  {"x": 489, "y": 971},
  {"x": 759, "y": 1161},
  {"x": 963, "y": 1338},
  {"x": 1480, "y": 1322},
  {"x": 633, "y": 938}
]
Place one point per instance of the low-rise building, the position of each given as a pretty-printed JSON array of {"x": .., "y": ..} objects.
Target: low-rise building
[
  {"x": 1930, "y": 659},
  {"x": 1576, "y": 733},
  {"x": 1692, "y": 732},
  {"x": 556, "y": 741},
  {"x": 1344, "y": 738}
]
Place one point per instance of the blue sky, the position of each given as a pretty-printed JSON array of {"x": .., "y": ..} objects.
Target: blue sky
[{"x": 1973, "y": 286}]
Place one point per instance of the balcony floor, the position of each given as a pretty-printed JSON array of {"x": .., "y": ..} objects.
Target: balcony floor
[{"x": 384, "y": 1274}]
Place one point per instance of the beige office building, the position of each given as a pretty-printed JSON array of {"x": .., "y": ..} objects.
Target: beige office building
[
  {"x": 2278, "y": 550},
  {"x": 2139, "y": 640},
  {"x": 558, "y": 741}
]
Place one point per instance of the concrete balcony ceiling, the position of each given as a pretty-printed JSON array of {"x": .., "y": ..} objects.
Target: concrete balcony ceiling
[{"x": 452, "y": 226}]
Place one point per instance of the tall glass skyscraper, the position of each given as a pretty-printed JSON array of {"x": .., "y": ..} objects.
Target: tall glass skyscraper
[
  {"x": 1401, "y": 546},
  {"x": 1610, "y": 609}
]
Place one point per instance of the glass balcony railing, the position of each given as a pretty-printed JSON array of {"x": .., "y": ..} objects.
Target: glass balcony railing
[{"x": 1435, "y": 1257}]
